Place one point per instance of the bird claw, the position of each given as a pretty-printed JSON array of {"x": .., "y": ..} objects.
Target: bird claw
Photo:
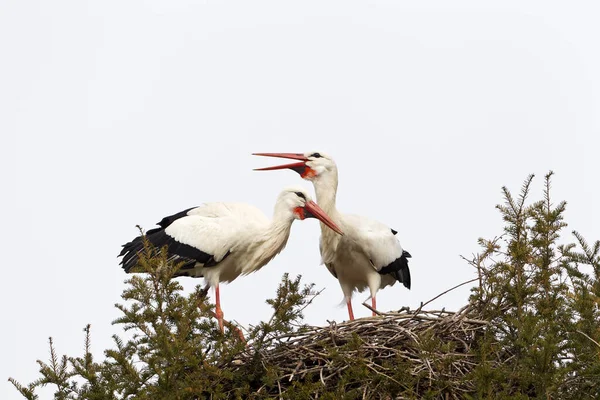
[{"x": 218, "y": 314}]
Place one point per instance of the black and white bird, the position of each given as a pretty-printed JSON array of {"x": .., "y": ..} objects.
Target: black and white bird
[
  {"x": 368, "y": 255},
  {"x": 221, "y": 241}
]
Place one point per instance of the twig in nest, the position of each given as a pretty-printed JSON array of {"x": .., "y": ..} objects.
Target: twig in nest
[
  {"x": 372, "y": 309},
  {"x": 449, "y": 290}
]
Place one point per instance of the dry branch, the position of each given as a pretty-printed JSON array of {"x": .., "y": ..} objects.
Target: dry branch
[{"x": 429, "y": 346}]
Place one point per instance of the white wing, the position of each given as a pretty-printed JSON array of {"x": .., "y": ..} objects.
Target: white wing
[
  {"x": 374, "y": 239},
  {"x": 217, "y": 228}
]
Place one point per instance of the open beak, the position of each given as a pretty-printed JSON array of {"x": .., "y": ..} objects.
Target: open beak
[
  {"x": 292, "y": 156},
  {"x": 312, "y": 210},
  {"x": 299, "y": 167}
]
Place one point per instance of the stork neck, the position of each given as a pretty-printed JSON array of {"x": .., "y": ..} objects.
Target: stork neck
[
  {"x": 326, "y": 191},
  {"x": 280, "y": 227},
  {"x": 275, "y": 236},
  {"x": 268, "y": 242}
]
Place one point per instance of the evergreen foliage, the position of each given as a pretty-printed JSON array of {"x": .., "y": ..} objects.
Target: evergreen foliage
[
  {"x": 531, "y": 329},
  {"x": 542, "y": 305},
  {"x": 176, "y": 350}
]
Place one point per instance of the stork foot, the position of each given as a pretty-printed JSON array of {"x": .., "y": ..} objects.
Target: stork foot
[
  {"x": 239, "y": 333},
  {"x": 223, "y": 323},
  {"x": 231, "y": 327}
]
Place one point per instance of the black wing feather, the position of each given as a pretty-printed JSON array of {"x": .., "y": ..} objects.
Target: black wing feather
[
  {"x": 166, "y": 221},
  {"x": 176, "y": 250},
  {"x": 399, "y": 269}
]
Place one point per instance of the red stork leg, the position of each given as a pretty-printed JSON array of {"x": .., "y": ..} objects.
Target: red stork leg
[
  {"x": 218, "y": 311},
  {"x": 350, "y": 313},
  {"x": 219, "y": 315},
  {"x": 374, "y": 305}
]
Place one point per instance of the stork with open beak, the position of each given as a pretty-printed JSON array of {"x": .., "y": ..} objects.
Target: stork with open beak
[
  {"x": 368, "y": 255},
  {"x": 221, "y": 241}
]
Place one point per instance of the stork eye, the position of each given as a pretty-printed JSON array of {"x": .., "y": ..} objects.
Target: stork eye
[
  {"x": 301, "y": 195},
  {"x": 316, "y": 155}
]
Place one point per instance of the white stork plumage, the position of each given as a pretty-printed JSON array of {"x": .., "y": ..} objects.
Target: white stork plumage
[
  {"x": 368, "y": 255},
  {"x": 221, "y": 241}
]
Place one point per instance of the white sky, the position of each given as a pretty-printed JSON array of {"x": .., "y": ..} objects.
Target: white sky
[{"x": 117, "y": 113}]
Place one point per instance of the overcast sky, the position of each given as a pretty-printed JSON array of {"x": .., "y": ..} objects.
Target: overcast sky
[{"x": 117, "y": 113}]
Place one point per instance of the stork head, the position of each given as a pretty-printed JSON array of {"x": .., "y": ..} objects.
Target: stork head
[
  {"x": 297, "y": 201},
  {"x": 312, "y": 165}
]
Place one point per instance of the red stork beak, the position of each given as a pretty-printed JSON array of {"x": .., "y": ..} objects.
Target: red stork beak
[
  {"x": 312, "y": 210},
  {"x": 300, "y": 167}
]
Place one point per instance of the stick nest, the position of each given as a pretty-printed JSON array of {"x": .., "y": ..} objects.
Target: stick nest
[{"x": 400, "y": 353}]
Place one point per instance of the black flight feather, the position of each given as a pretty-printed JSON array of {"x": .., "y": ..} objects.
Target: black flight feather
[
  {"x": 399, "y": 269},
  {"x": 176, "y": 250}
]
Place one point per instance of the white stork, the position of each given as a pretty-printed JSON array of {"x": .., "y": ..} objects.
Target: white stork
[
  {"x": 368, "y": 255},
  {"x": 221, "y": 241}
]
